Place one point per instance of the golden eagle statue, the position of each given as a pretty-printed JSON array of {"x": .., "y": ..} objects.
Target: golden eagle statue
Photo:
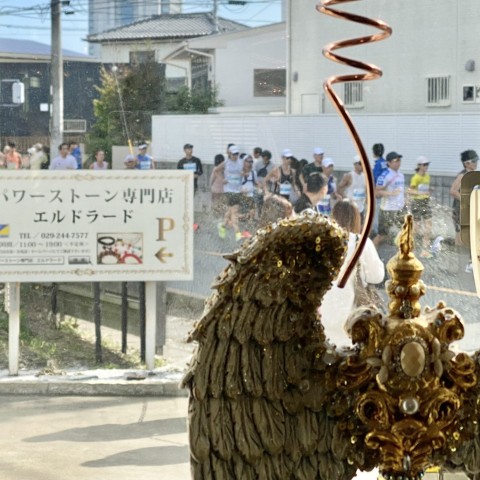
[{"x": 272, "y": 399}]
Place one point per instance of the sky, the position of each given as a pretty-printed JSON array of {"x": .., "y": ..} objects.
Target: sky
[{"x": 30, "y": 19}]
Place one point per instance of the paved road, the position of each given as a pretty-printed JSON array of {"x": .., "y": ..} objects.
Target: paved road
[
  {"x": 98, "y": 438},
  {"x": 93, "y": 438}
]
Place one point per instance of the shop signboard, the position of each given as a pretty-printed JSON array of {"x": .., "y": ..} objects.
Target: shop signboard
[{"x": 65, "y": 226}]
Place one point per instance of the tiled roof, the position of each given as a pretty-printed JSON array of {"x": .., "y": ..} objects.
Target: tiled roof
[
  {"x": 180, "y": 25},
  {"x": 31, "y": 48}
]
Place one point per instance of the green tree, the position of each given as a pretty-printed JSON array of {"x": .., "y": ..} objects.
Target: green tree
[
  {"x": 127, "y": 100},
  {"x": 195, "y": 100},
  {"x": 130, "y": 96}
]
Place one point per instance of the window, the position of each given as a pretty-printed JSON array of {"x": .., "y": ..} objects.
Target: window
[
  {"x": 200, "y": 67},
  {"x": 35, "y": 82},
  {"x": 438, "y": 91},
  {"x": 353, "y": 94},
  {"x": 469, "y": 94},
  {"x": 269, "y": 82},
  {"x": 141, "y": 57}
]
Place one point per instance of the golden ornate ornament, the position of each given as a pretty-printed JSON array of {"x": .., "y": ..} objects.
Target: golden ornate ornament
[{"x": 410, "y": 400}]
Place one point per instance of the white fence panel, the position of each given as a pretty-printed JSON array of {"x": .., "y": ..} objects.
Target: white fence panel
[{"x": 440, "y": 137}]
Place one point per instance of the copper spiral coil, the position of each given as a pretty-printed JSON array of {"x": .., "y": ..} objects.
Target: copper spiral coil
[{"x": 372, "y": 73}]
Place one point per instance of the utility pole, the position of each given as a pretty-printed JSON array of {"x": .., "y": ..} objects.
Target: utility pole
[
  {"x": 215, "y": 15},
  {"x": 56, "y": 76}
]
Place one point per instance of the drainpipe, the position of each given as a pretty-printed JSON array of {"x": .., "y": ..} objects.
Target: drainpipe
[
  {"x": 215, "y": 16},
  {"x": 288, "y": 70}
]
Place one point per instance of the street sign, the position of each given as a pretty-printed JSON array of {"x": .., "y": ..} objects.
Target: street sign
[{"x": 65, "y": 226}]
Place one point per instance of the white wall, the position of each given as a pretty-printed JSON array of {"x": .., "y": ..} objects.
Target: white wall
[
  {"x": 440, "y": 137},
  {"x": 120, "y": 52},
  {"x": 237, "y": 55},
  {"x": 237, "y": 61},
  {"x": 430, "y": 38}
]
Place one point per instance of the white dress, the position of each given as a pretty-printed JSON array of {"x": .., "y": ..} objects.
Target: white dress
[{"x": 338, "y": 302}]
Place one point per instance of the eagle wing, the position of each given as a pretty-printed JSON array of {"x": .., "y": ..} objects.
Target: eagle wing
[{"x": 260, "y": 392}]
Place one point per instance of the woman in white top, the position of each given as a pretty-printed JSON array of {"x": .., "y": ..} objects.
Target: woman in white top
[
  {"x": 249, "y": 178},
  {"x": 99, "y": 163},
  {"x": 338, "y": 303},
  {"x": 232, "y": 170},
  {"x": 352, "y": 185},
  {"x": 249, "y": 186}
]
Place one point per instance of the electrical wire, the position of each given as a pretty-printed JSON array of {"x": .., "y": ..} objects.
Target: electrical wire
[{"x": 73, "y": 24}]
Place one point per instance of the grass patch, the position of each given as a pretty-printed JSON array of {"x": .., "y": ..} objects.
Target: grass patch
[{"x": 44, "y": 344}]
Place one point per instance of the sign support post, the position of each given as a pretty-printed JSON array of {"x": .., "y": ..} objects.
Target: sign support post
[
  {"x": 13, "y": 327},
  {"x": 151, "y": 323}
]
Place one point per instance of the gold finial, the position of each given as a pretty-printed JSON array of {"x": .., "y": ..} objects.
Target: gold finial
[{"x": 405, "y": 287}]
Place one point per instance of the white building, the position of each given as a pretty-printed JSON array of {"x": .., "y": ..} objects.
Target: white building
[
  {"x": 430, "y": 64},
  {"x": 107, "y": 14},
  {"x": 248, "y": 67},
  {"x": 159, "y": 39}
]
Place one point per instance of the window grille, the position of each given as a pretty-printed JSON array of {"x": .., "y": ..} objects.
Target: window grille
[
  {"x": 438, "y": 91},
  {"x": 353, "y": 94}
]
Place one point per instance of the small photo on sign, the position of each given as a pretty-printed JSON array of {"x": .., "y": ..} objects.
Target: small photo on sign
[
  {"x": 119, "y": 248},
  {"x": 4, "y": 231},
  {"x": 74, "y": 260}
]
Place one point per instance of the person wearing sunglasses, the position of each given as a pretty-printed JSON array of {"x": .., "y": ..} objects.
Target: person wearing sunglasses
[
  {"x": 469, "y": 159},
  {"x": 421, "y": 209}
]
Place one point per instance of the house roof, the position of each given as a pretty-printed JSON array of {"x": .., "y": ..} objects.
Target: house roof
[
  {"x": 168, "y": 26},
  {"x": 29, "y": 48}
]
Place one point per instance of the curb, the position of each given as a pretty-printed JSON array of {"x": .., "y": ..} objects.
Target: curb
[
  {"x": 68, "y": 388},
  {"x": 95, "y": 383}
]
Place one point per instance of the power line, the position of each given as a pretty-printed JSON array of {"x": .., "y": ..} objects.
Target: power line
[
  {"x": 105, "y": 6},
  {"x": 76, "y": 24}
]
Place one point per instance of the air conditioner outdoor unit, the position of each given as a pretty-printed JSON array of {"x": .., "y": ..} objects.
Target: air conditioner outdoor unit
[
  {"x": 18, "y": 93},
  {"x": 12, "y": 93},
  {"x": 74, "y": 125}
]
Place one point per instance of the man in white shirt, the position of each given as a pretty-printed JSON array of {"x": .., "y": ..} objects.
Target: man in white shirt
[
  {"x": 63, "y": 161},
  {"x": 390, "y": 189}
]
